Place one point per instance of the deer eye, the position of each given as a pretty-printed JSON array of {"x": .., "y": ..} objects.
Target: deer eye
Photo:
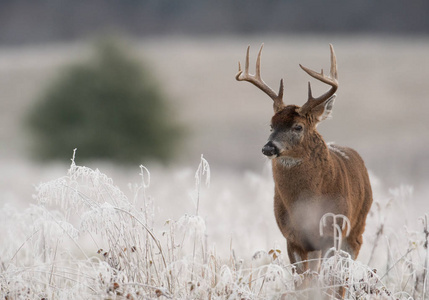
[{"x": 297, "y": 128}]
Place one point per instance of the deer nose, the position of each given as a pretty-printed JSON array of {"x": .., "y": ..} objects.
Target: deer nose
[{"x": 270, "y": 149}]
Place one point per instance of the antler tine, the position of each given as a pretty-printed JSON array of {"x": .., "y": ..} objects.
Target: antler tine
[
  {"x": 258, "y": 64},
  {"x": 257, "y": 80},
  {"x": 332, "y": 80},
  {"x": 334, "y": 71},
  {"x": 310, "y": 95},
  {"x": 281, "y": 89},
  {"x": 246, "y": 66}
]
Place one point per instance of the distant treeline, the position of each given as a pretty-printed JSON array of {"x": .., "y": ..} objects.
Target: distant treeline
[{"x": 27, "y": 21}]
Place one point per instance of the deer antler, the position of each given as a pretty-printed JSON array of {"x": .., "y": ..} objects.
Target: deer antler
[
  {"x": 258, "y": 82},
  {"x": 332, "y": 80}
]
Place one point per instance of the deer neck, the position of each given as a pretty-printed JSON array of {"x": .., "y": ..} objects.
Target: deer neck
[
  {"x": 304, "y": 177},
  {"x": 309, "y": 169}
]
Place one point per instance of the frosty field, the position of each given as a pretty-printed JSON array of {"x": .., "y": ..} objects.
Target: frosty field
[
  {"x": 176, "y": 231},
  {"x": 84, "y": 237}
]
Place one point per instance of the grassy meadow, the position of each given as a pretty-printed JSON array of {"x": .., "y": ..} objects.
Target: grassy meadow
[{"x": 204, "y": 228}]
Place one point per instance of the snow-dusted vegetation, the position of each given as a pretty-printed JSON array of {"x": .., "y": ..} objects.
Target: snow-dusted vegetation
[
  {"x": 84, "y": 238},
  {"x": 90, "y": 235}
]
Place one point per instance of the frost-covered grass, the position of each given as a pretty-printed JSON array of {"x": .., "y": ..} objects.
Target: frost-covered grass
[{"x": 84, "y": 238}]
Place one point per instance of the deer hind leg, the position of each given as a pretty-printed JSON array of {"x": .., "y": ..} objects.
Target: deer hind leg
[
  {"x": 314, "y": 258},
  {"x": 352, "y": 243},
  {"x": 350, "y": 247}
]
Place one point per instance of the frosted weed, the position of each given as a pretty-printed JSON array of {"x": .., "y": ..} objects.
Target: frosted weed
[{"x": 85, "y": 238}]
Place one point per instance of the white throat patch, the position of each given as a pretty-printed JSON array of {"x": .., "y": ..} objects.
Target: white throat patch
[{"x": 289, "y": 162}]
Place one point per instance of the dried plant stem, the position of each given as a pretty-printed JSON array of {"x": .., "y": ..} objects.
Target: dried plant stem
[
  {"x": 396, "y": 262},
  {"x": 377, "y": 238},
  {"x": 53, "y": 263},
  {"x": 426, "y": 247},
  {"x": 22, "y": 245},
  {"x": 155, "y": 240},
  {"x": 203, "y": 169},
  {"x": 67, "y": 278}
]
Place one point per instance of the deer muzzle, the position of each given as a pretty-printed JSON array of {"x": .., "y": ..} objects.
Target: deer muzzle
[{"x": 270, "y": 149}]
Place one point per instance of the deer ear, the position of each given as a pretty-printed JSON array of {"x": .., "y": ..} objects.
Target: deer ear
[{"x": 323, "y": 111}]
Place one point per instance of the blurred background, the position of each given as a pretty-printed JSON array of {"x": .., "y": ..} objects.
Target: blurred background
[{"x": 152, "y": 82}]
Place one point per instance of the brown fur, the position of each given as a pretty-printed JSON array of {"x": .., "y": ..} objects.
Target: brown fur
[
  {"x": 312, "y": 179},
  {"x": 324, "y": 181}
]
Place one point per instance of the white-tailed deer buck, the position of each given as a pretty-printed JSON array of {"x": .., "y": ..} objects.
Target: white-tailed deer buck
[{"x": 311, "y": 177}]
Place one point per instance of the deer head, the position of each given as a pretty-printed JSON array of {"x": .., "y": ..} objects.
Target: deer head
[{"x": 293, "y": 128}]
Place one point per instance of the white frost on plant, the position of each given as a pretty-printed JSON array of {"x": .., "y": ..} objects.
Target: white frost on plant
[
  {"x": 119, "y": 251},
  {"x": 203, "y": 170},
  {"x": 98, "y": 218},
  {"x": 192, "y": 224}
]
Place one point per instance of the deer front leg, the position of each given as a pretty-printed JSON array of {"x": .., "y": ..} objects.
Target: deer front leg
[
  {"x": 306, "y": 263},
  {"x": 298, "y": 258},
  {"x": 338, "y": 290}
]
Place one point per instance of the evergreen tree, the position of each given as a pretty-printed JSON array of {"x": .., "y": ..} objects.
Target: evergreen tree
[{"x": 109, "y": 108}]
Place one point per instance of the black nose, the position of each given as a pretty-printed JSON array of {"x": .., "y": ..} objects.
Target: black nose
[{"x": 270, "y": 149}]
